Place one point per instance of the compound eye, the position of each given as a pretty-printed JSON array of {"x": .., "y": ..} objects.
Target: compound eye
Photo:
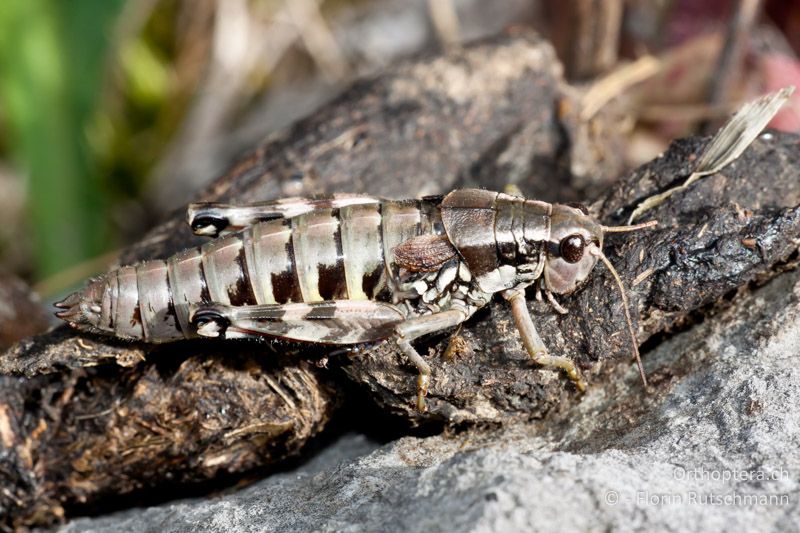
[{"x": 571, "y": 248}]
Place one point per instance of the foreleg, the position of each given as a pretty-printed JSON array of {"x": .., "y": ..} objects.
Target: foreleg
[{"x": 533, "y": 342}]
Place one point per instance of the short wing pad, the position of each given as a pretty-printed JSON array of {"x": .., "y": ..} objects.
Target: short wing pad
[{"x": 425, "y": 253}]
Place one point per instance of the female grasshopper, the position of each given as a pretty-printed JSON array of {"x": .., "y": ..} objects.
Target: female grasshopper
[{"x": 354, "y": 269}]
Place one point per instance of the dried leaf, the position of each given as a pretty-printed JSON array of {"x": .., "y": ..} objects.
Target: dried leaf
[{"x": 728, "y": 143}]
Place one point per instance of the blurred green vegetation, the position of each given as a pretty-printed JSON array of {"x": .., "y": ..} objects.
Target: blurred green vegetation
[
  {"x": 91, "y": 93},
  {"x": 53, "y": 58}
]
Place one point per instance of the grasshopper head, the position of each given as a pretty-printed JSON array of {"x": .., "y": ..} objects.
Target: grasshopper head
[
  {"x": 573, "y": 233},
  {"x": 575, "y": 246}
]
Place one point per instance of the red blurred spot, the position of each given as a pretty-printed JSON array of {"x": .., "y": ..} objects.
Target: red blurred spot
[{"x": 779, "y": 71}]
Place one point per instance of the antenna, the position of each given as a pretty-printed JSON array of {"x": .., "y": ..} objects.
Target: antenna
[
  {"x": 622, "y": 229},
  {"x": 598, "y": 252}
]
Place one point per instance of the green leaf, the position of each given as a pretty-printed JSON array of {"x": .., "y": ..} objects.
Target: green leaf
[{"x": 52, "y": 66}]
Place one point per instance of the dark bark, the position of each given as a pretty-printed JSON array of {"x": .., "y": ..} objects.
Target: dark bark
[
  {"x": 79, "y": 435},
  {"x": 495, "y": 113}
]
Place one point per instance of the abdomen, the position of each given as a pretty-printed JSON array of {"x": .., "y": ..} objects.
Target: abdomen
[{"x": 318, "y": 256}]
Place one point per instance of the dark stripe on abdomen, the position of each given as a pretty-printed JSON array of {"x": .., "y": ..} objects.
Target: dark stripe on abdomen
[
  {"x": 205, "y": 295},
  {"x": 331, "y": 278},
  {"x": 226, "y": 273},
  {"x": 285, "y": 284},
  {"x": 269, "y": 255},
  {"x": 241, "y": 293},
  {"x": 318, "y": 255},
  {"x": 171, "y": 310},
  {"x": 187, "y": 285}
]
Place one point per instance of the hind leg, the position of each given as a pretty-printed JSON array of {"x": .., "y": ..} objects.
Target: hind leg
[
  {"x": 213, "y": 219},
  {"x": 347, "y": 322}
]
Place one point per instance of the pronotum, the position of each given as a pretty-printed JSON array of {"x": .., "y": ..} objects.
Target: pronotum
[{"x": 354, "y": 269}]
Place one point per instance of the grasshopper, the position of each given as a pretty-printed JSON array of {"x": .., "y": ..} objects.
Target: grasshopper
[{"x": 355, "y": 269}]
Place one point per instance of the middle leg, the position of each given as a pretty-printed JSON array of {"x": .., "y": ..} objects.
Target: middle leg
[{"x": 417, "y": 327}]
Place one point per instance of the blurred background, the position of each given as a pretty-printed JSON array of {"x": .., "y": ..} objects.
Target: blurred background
[{"x": 114, "y": 112}]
